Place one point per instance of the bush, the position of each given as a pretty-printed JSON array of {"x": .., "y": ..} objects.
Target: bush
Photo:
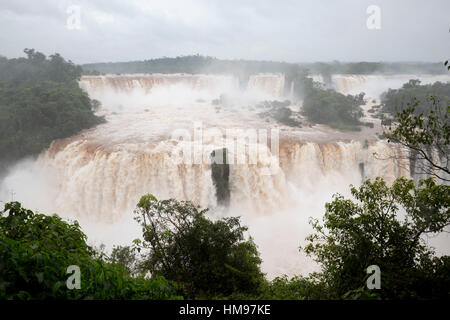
[
  {"x": 40, "y": 101},
  {"x": 296, "y": 288},
  {"x": 36, "y": 249},
  {"x": 332, "y": 108},
  {"x": 396, "y": 100},
  {"x": 208, "y": 259},
  {"x": 369, "y": 231}
]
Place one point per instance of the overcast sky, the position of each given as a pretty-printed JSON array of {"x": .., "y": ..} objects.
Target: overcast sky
[{"x": 283, "y": 30}]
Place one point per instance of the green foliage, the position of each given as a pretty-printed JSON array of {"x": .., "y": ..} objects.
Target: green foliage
[
  {"x": 296, "y": 288},
  {"x": 40, "y": 101},
  {"x": 396, "y": 100},
  {"x": 324, "y": 106},
  {"x": 369, "y": 231},
  {"x": 284, "y": 116},
  {"x": 36, "y": 68},
  {"x": 279, "y": 111},
  {"x": 126, "y": 257},
  {"x": 192, "y": 64},
  {"x": 203, "y": 64},
  {"x": 208, "y": 259},
  {"x": 36, "y": 249},
  {"x": 361, "y": 293},
  {"x": 363, "y": 67},
  {"x": 426, "y": 134},
  {"x": 333, "y": 108}
]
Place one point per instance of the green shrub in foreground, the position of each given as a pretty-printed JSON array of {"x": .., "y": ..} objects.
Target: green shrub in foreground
[{"x": 36, "y": 249}]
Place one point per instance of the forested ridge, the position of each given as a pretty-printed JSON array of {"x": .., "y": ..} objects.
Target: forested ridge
[
  {"x": 395, "y": 100},
  {"x": 205, "y": 64}
]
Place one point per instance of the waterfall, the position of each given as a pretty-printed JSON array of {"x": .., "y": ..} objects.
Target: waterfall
[
  {"x": 374, "y": 85},
  {"x": 99, "y": 174},
  {"x": 270, "y": 83},
  {"x": 105, "y": 182},
  {"x": 146, "y": 82}
]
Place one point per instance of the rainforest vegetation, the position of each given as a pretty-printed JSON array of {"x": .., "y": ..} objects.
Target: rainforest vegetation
[
  {"x": 205, "y": 64},
  {"x": 40, "y": 101},
  {"x": 184, "y": 254},
  {"x": 395, "y": 100},
  {"x": 326, "y": 106}
]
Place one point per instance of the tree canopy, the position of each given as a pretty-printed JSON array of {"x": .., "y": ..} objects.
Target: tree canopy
[
  {"x": 205, "y": 64},
  {"x": 207, "y": 258},
  {"x": 417, "y": 117},
  {"x": 396, "y": 100},
  {"x": 40, "y": 101},
  {"x": 326, "y": 106},
  {"x": 37, "y": 249},
  {"x": 371, "y": 230},
  {"x": 425, "y": 136}
]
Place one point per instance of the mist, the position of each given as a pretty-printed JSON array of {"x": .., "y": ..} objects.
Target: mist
[
  {"x": 266, "y": 111},
  {"x": 98, "y": 176}
]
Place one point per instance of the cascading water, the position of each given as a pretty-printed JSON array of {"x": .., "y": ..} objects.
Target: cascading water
[
  {"x": 374, "y": 85},
  {"x": 99, "y": 175},
  {"x": 273, "y": 84}
]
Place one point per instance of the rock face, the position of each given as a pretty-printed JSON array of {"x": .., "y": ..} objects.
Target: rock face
[{"x": 220, "y": 173}]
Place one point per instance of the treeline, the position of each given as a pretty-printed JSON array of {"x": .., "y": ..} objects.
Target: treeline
[
  {"x": 395, "y": 100},
  {"x": 205, "y": 64},
  {"x": 337, "y": 67},
  {"x": 40, "y": 101},
  {"x": 36, "y": 67},
  {"x": 321, "y": 105},
  {"x": 189, "y": 64},
  {"x": 36, "y": 251}
]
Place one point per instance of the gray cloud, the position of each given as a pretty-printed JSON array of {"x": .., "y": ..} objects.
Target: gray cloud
[{"x": 287, "y": 30}]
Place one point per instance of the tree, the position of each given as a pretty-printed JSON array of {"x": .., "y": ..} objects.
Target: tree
[
  {"x": 125, "y": 256},
  {"x": 395, "y": 100},
  {"x": 37, "y": 249},
  {"x": 40, "y": 101},
  {"x": 296, "y": 288},
  {"x": 333, "y": 108},
  {"x": 207, "y": 258},
  {"x": 370, "y": 231},
  {"x": 426, "y": 138}
]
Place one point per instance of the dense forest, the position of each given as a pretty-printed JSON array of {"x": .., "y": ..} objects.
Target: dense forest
[
  {"x": 319, "y": 105},
  {"x": 327, "y": 106},
  {"x": 205, "y": 64},
  {"x": 395, "y": 100},
  {"x": 40, "y": 101}
]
